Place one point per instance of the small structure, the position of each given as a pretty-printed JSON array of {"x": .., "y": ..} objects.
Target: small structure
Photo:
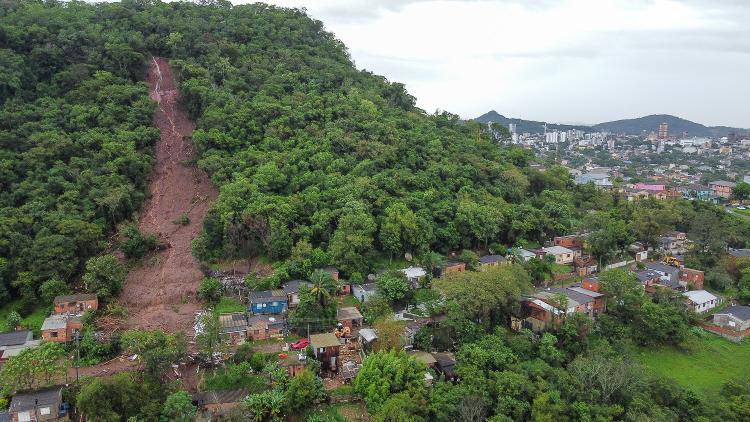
[
  {"x": 427, "y": 358},
  {"x": 452, "y": 267},
  {"x": 585, "y": 265},
  {"x": 294, "y": 363},
  {"x": 562, "y": 254},
  {"x": 367, "y": 338},
  {"x": 349, "y": 371},
  {"x": 414, "y": 276},
  {"x": 326, "y": 347},
  {"x": 262, "y": 327},
  {"x": 349, "y": 317},
  {"x": 690, "y": 277},
  {"x": 15, "y": 342},
  {"x": 700, "y": 301},
  {"x": 217, "y": 403},
  {"x": 572, "y": 241},
  {"x": 268, "y": 302},
  {"x": 735, "y": 318},
  {"x": 525, "y": 254},
  {"x": 669, "y": 275},
  {"x": 364, "y": 292},
  {"x": 739, "y": 253},
  {"x": 61, "y": 328},
  {"x": 234, "y": 327},
  {"x": 492, "y": 260},
  {"x": 333, "y": 271},
  {"x": 444, "y": 363},
  {"x": 722, "y": 188},
  {"x": 649, "y": 279},
  {"x": 75, "y": 304},
  {"x": 291, "y": 289},
  {"x": 38, "y": 406}
]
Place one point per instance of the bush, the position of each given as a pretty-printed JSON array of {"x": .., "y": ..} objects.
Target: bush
[
  {"x": 210, "y": 290},
  {"x": 134, "y": 244},
  {"x": 51, "y": 289},
  {"x": 244, "y": 353}
]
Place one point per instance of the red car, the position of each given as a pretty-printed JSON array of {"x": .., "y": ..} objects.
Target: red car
[{"x": 300, "y": 344}]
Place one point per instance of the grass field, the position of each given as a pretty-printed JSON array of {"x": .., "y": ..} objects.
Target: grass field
[
  {"x": 708, "y": 363},
  {"x": 32, "y": 321},
  {"x": 228, "y": 305}
]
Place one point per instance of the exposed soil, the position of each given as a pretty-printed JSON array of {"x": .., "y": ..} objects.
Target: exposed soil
[{"x": 161, "y": 293}]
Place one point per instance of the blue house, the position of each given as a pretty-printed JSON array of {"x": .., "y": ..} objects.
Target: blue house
[{"x": 268, "y": 302}]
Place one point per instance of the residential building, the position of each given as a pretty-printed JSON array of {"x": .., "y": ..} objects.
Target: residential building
[
  {"x": 38, "y": 406},
  {"x": 268, "y": 302},
  {"x": 326, "y": 348},
  {"x": 492, "y": 260},
  {"x": 525, "y": 254},
  {"x": 15, "y": 342},
  {"x": 572, "y": 241},
  {"x": 364, "y": 292},
  {"x": 75, "y": 304},
  {"x": 562, "y": 255},
  {"x": 234, "y": 327},
  {"x": 61, "y": 328},
  {"x": 700, "y": 301},
  {"x": 669, "y": 275},
  {"x": 735, "y": 318},
  {"x": 598, "y": 179},
  {"x": 673, "y": 243},
  {"x": 663, "y": 130},
  {"x": 739, "y": 253},
  {"x": 291, "y": 289},
  {"x": 721, "y": 188},
  {"x": 690, "y": 277},
  {"x": 444, "y": 364},
  {"x": 262, "y": 327},
  {"x": 294, "y": 363},
  {"x": 414, "y": 275},
  {"x": 349, "y": 317}
]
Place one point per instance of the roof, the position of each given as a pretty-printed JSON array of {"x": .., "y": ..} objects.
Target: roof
[
  {"x": 75, "y": 298},
  {"x": 557, "y": 250},
  {"x": 444, "y": 359},
  {"x": 491, "y": 259},
  {"x": 699, "y": 296},
  {"x": 368, "y": 334},
  {"x": 15, "y": 338},
  {"x": 739, "y": 312},
  {"x": 54, "y": 322},
  {"x": 368, "y": 287},
  {"x": 723, "y": 183},
  {"x": 233, "y": 322},
  {"x": 324, "y": 340},
  {"x": 25, "y": 401},
  {"x": 294, "y": 285},
  {"x": 524, "y": 253},
  {"x": 586, "y": 292},
  {"x": 5, "y": 417},
  {"x": 645, "y": 275},
  {"x": 12, "y": 351},
  {"x": 414, "y": 272},
  {"x": 658, "y": 266},
  {"x": 277, "y": 295},
  {"x": 272, "y": 321},
  {"x": 740, "y": 253},
  {"x": 349, "y": 312},
  {"x": 293, "y": 359},
  {"x": 220, "y": 396},
  {"x": 423, "y": 357}
]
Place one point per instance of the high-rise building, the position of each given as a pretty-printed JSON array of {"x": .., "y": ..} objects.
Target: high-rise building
[
  {"x": 512, "y": 128},
  {"x": 663, "y": 130}
]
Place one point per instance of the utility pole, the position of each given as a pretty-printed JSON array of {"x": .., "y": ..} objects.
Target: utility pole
[
  {"x": 78, "y": 353},
  {"x": 308, "y": 331}
]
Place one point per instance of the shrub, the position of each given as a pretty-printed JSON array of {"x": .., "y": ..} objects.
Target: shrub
[{"x": 210, "y": 290}]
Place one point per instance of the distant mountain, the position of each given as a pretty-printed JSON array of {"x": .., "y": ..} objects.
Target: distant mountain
[
  {"x": 530, "y": 126},
  {"x": 635, "y": 126}
]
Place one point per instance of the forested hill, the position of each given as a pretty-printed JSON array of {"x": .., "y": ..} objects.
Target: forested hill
[
  {"x": 530, "y": 126},
  {"x": 308, "y": 150}
]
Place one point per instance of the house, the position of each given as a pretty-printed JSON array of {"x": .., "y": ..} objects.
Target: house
[
  {"x": 735, "y": 318},
  {"x": 291, "y": 289},
  {"x": 424, "y": 357},
  {"x": 294, "y": 363},
  {"x": 739, "y": 253},
  {"x": 38, "y": 406},
  {"x": 525, "y": 254},
  {"x": 598, "y": 179},
  {"x": 562, "y": 254},
  {"x": 349, "y": 317},
  {"x": 648, "y": 278},
  {"x": 75, "y": 304},
  {"x": 367, "y": 338},
  {"x": 690, "y": 277},
  {"x": 542, "y": 310},
  {"x": 15, "y": 342},
  {"x": 345, "y": 288},
  {"x": 213, "y": 404},
  {"x": 585, "y": 265},
  {"x": 492, "y": 260},
  {"x": 721, "y": 188},
  {"x": 333, "y": 271},
  {"x": 268, "y": 302},
  {"x": 700, "y": 301},
  {"x": 326, "y": 348},
  {"x": 262, "y": 327},
  {"x": 673, "y": 243},
  {"x": 444, "y": 364},
  {"x": 234, "y": 327},
  {"x": 414, "y": 275},
  {"x": 591, "y": 284},
  {"x": 669, "y": 275},
  {"x": 600, "y": 300},
  {"x": 364, "y": 292},
  {"x": 61, "y": 328}
]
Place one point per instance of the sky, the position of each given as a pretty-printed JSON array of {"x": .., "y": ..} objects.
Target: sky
[{"x": 566, "y": 61}]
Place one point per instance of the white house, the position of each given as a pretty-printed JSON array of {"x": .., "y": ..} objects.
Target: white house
[
  {"x": 363, "y": 292},
  {"x": 700, "y": 301},
  {"x": 414, "y": 275},
  {"x": 562, "y": 254}
]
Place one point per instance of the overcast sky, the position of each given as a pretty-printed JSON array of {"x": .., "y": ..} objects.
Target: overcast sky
[{"x": 560, "y": 61}]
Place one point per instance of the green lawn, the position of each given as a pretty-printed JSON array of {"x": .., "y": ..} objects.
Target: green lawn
[
  {"x": 346, "y": 301},
  {"x": 709, "y": 362},
  {"x": 228, "y": 305},
  {"x": 560, "y": 268},
  {"x": 32, "y": 321}
]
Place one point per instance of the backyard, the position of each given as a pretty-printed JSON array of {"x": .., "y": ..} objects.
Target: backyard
[
  {"x": 708, "y": 363},
  {"x": 33, "y": 321}
]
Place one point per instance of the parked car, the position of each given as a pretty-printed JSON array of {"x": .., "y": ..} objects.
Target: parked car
[
  {"x": 300, "y": 344},
  {"x": 741, "y": 208}
]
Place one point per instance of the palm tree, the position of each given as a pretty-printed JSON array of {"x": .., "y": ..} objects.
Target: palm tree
[{"x": 323, "y": 286}]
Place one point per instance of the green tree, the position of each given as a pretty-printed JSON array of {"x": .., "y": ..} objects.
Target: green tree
[
  {"x": 741, "y": 191},
  {"x": 53, "y": 288},
  {"x": 323, "y": 286},
  {"x": 34, "y": 368},
  {"x": 210, "y": 290},
  {"x": 13, "y": 320},
  {"x": 265, "y": 406},
  {"x": 384, "y": 374},
  {"x": 178, "y": 407},
  {"x": 393, "y": 286},
  {"x": 104, "y": 276},
  {"x": 209, "y": 339},
  {"x": 156, "y": 350},
  {"x": 304, "y": 391}
]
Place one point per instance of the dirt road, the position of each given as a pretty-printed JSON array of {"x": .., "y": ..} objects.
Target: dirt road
[{"x": 161, "y": 294}]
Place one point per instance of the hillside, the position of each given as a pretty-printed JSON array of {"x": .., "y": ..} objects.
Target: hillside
[
  {"x": 635, "y": 126},
  {"x": 530, "y": 126}
]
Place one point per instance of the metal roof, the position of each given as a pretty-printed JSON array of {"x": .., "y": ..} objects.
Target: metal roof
[
  {"x": 324, "y": 340},
  {"x": 75, "y": 298},
  {"x": 740, "y": 312},
  {"x": 15, "y": 338},
  {"x": 54, "y": 322},
  {"x": 699, "y": 296},
  {"x": 26, "y": 401},
  {"x": 349, "y": 312}
]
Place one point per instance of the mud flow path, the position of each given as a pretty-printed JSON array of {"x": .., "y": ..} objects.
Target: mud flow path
[{"x": 161, "y": 293}]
